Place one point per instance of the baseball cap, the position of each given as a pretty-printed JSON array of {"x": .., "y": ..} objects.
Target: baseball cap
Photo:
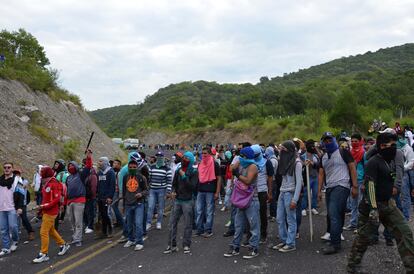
[
  {"x": 388, "y": 130},
  {"x": 327, "y": 135}
]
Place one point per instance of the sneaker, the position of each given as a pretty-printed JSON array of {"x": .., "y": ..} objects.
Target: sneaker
[
  {"x": 228, "y": 224},
  {"x": 4, "y": 252},
  {"x": 304, "y": 212},
  {"x": 78, "y": 244},
  {"x": 158, "y": 226},
  {"x": 207, "y": 234},
  {"x": 326, "y": 236},
  {"x": 139, "y": 247},
  {"x": 170, "y": 250},
  {"x": 63, "y": 249},
  {"x": 349, "y": 228},
  {"x": 228, "y": 234},
  {"x": 13, "y": 246},
  {"x": 41, "y": 258},
  {"x": 88, "y": 230},
  {"x": 220, "y": 202},
  {"x": 314, "y": 211},
  {"x": 278, "y": 246},
  {"x": 187, "y": 250},
  {"x": 232, "y": 252},
  {"x": 128, "y": 244},
  {"x": 253, "y": 252},
  {"x": 287, "y": 249},
  {"x": 148, "y": 227},
  {"x": 122, "y": 240},
  {"x": 223, "y": 209},
  {"x": 342, "y": 237}
]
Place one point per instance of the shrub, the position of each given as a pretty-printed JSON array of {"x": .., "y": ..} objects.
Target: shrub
[
  {"x": 42, "y": 133},
  {"x": 70, "y": 151}
]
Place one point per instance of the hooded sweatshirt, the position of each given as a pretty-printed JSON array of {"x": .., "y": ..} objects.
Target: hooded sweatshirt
[
  {"x": 142, "y": 168},
  {"x": 106, "y": 181},
  {"x": 76, "y": 190},
  {"x": 185, "y": 185},
  {"x": 51, "y": 192}
]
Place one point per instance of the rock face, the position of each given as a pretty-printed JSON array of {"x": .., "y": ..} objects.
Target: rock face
[{"x": 34, "y": 128}]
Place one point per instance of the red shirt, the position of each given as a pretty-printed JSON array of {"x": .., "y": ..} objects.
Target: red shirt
[{"x": 51, "y": 195}]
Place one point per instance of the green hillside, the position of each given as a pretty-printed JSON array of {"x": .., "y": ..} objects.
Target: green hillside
[{"x": 344, "y": 93}]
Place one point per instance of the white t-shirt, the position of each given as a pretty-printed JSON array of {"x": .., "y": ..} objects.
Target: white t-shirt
[{"x": 409, "y": 136}]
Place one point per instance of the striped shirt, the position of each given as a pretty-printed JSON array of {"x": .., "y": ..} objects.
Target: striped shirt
[
  {"x": 336, "y": 169},
  {"x": 160, "y": 178}
]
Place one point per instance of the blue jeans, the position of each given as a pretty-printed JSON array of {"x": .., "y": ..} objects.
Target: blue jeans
[
  {"x": 135, "y": 217},
  {"x": 252, "y": 215},
  {"x": 354, "y": 206},
  {"x": 286, "y": 215},
  {"x": 89, "y": 214},
  {"x": 8, "y": 221},
  {"x": 406, "y": 196},
  {"x": 314, "y": 191},
  {"x": 156, "y": 196},
  {"x": 336, "y": 200},
  {"x": 232, "y": 219},
  {"x": 115, "y": 207},
  {"x": 205, "y": 211}
]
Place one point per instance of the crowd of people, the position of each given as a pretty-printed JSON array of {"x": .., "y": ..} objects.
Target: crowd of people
[{"x": 370, "y": 179}]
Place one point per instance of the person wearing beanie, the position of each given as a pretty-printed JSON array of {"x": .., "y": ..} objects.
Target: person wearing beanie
[{"x": 51, "y": 198}]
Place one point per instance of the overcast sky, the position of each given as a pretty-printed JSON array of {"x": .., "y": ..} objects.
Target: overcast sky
[{"x": 113, "y": 52}]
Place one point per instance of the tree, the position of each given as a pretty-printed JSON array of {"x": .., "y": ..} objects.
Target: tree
[{"x": 346, "y": 112}]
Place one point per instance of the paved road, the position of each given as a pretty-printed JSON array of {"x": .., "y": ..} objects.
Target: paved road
[{"x": 207, "y": 255}]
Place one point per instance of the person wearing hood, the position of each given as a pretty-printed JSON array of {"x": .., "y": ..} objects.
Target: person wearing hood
[
  {"x": 310, "y": 158},
  {"x": 106, "y": 191},
  {"x": 36, "y": 184},
  {"x": 246, "y": 178},
  {"x": 209, "y": 185},
  {"x": 271, "y": 156},
  {"x": 338, "y": 170},
  {"x": 21, "y": 187},
  {"x": 51, "y": 197},
  {"x": 61, "y": 176},
  {"x": 184, "y": 183},
  {"x": 142, "y": 169},
  {"x": 76, "y": 197},
  {"x": 133, "y": 193},
  {"x": 408, "y": 177},
  {"x": 11, "y": 204},
  {"x": 175, "y": 163},
  {"x": 91, "y": 185},
  {"x": 264, "y": 187},
  {"x": 116, "y": 165},
  {"x": 290, "y": 168},
  {"x": 160, "y": 177},
  {"x": 378, "y": 206}
]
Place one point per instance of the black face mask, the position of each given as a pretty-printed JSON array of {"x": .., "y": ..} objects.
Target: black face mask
[
  {"x": 310, "y": 149},
  {"x": 388, "y": 153}
]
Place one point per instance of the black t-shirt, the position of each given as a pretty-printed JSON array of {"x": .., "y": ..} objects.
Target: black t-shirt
[
  {"x": 379, "y": 171},
  {"x": 212, "y": 185}
]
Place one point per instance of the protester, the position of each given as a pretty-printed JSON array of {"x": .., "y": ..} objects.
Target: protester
[
  {"x": 227, "y": 179},
  {"x": 76, "y": 197},
  {"x": 358, "y": 153},
  {"x": 116, "y": 166},
  {"x": 271, "y": 156},
  {"x": 36, "y": 184},
  {"x": 183, "y": 186},
  {"x": 310, "y": 159},
  {"x": 337, "y": 170},
  {"x": 209, "y": 184},
  {"x": 11, "y": 204},
  {"x": 264, "y": 188},
  {"x": 377, "y": 206},
  {"x": 290, "y": 167},
  {"x": 133, "y": 193},
  {"x": 160, "y": 186},
  {"x": 91, "y": 186},
  {"x": 106, "y": 190},
  {"x": 61, "y": 175},
  {"x": 51, "y": 197},
  {"x": 21, "y": 187},
  {"x": 246, "y": 181}
]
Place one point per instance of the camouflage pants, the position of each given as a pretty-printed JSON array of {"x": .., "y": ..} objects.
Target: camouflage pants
[{"x": 394, "y": 221}]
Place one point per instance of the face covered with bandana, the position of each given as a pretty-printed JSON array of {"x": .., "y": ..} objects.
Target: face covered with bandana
[
  {"x": 330, "y": 145},
  {"x": 160, "y": 161},
  {"x": 132, "y": 168},
  {"x": 388, "y": 151}
]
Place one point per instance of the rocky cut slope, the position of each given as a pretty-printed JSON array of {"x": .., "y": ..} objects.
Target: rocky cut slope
[{"x": 34, "y": 129}]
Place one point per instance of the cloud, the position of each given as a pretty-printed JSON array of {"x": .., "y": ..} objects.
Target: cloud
[{"x": 118, "y": 52}]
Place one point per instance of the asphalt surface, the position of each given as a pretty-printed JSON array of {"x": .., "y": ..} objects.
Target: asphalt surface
[{"x": 106, "y": 256}]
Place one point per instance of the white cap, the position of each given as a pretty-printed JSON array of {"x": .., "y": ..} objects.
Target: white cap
[{"x": 388, "y": 130}]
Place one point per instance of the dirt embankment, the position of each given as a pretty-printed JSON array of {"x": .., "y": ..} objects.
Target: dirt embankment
[{"x": 33, "y": 128}]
